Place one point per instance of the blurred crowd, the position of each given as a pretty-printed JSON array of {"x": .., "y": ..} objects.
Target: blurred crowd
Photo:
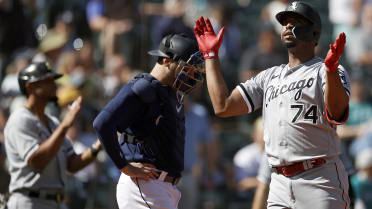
[{"x": 99, "y": 45}]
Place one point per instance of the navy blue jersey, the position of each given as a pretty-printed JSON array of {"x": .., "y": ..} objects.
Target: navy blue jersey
[{"x": 150, "y": 111}]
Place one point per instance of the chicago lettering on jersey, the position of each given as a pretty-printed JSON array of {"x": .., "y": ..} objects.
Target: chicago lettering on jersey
[{"x": 273, "y": 92}]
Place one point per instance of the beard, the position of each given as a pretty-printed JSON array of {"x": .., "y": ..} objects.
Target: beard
[
  {"x": 290, "y": 44},
  {"x": 53, "y": 99}
]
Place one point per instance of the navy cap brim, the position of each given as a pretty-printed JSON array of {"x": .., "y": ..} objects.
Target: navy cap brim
[{"x": 158, "y": 53}]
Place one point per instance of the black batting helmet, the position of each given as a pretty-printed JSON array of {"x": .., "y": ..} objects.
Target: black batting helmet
[
  {"x": 35, "y": 72},
  {"x": 185, "y": 51},
  {"x": 176, "y": 46},
  {"x": 304, "y": 33}
]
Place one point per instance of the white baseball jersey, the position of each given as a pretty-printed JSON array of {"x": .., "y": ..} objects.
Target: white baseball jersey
[{"x": 295, "y": 123}]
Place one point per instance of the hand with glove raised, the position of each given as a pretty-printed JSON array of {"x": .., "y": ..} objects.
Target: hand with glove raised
[
  {"x": 334, "y": 53},
  {"x": 208, "y": 42}
]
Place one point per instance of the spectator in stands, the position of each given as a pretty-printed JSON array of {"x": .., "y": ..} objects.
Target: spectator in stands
[
  {"x": 360, "y": 111},
  {"x": 217, "y": 179},
  {"x": 247, "y": 159},
  {"x": 262, "y": 190},
  {"x": 117, "y": 73},
  {"x": 50, "y": 48},
  {"x": 11, "y": 96},
  {"x": 199, "y": 148},
  {"x": 15, "y": 31},
  {"x": 247, "y": 162},
  {"x": 65, "y": 24},
  {"x": 362, "y": 181},
  {"x": 344, "y": 17},
  {"x": 172, "y": 20},
  {"x": 360, "y": 49},
  {"x": 270, "y": 10},
  {"x": 263, "y": 55},
  {"x": 82, "y": 186},
  {"x": 116, "y": 23},
  {"x": 21, "y": 59},
  {"x": 67, "y": 64},
  {"x": 222, "y": 14}
]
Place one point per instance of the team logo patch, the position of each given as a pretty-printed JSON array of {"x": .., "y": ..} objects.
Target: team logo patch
[
  {"x": 342, "y": 77},
  {"x": 179, "y": 108},
  {"x": 294, "y": 5},
  {"x": 158, "y": 119}
]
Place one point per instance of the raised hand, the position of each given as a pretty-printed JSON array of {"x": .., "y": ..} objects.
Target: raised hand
[
  {"x": 334, "y": 53},
  {"x": 138, "y": 170},
  {"x": 208, "y": 42},
  {"x": 73, "y": 110}
]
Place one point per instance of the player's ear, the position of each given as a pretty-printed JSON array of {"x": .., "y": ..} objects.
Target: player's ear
[
  {"x": 29, "y": 88},
  {"x": 166, "y": 61}
]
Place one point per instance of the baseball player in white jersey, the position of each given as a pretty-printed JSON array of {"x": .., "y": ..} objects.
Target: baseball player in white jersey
[{"x": 302, "y": 103}]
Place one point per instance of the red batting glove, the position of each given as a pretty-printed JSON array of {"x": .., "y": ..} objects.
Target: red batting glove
[
  {"x": 208, "y": 42},
  {"x": 334, "y": 53}
]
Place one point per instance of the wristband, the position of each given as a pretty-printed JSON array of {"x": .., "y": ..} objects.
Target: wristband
[{"x": 94, "y": 151}]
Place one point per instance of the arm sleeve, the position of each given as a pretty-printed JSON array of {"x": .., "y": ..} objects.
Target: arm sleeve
[
  {"x": 119, "y": 113},
  {"x": 252, "y": 91},
  {"x": 24, "y": 136}
]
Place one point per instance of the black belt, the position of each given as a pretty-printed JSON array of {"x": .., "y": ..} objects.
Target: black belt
[{"x": 36, "y": 194}]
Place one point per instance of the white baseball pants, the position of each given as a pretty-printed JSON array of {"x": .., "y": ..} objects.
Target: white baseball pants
[{"x": 140, "y": 194}]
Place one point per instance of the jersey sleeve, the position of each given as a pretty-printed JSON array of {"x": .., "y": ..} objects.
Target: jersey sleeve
[
  {"x": 118, "y": 114},
  {"x": 344, "y": 76},
  {"x": 345, "y": 80},
  {"x": 22, "y": 136},
  {"x": 252, "y": 91}
]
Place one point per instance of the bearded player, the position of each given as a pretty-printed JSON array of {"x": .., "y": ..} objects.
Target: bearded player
[{"x": 302, "y": 102}]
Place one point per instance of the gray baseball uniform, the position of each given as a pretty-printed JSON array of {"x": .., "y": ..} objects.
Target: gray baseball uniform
[
  {"x": 23, "y": 134},
  {"x": 296, "y": 129}
]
